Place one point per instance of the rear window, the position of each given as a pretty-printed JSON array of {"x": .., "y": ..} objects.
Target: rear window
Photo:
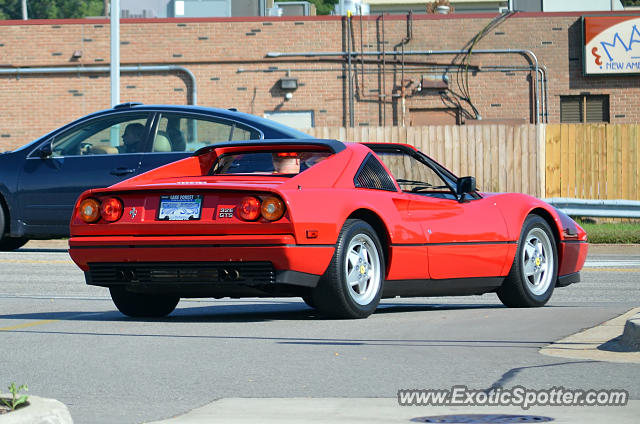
[{"x": 279, "y": 163}]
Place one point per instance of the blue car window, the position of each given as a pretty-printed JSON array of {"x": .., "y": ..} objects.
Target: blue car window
[
  {"x": 189, "y": 133},
  {"x": 112, "y": 135}
]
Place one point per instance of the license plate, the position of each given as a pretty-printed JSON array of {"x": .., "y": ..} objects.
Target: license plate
[{"x": 180, "y": 207}]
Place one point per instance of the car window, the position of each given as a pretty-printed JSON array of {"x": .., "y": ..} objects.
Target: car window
[
  {"x": 412, "y": 174},
  {"x": 112, "y": 135},
  {"x": 189, "y": 133}
]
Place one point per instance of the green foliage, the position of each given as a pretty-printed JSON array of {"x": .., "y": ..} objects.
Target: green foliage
[
  {"x": 626, "y": 3},
  {"x": 611, "y": 232},
  {"x": 323, "y": 7},
  {"x": 51, "y": 9},
  {"x": 10, "y": 9},
  {"x": 15, "y": 401}
]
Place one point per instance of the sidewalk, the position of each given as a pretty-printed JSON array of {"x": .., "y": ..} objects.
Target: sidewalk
[{"x": 387, "y": 411}]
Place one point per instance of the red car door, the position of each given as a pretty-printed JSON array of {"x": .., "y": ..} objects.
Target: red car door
[{"x": 466, "y": 239}]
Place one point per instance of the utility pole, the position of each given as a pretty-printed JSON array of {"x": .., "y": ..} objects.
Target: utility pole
[
  {"x": 25, "y": 14},
  {"x": 115, "y": 52}
]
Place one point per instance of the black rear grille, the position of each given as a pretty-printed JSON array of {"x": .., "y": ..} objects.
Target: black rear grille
[
  {"x": 251, "y": 273},
  {"x": 373, "y": 175}
]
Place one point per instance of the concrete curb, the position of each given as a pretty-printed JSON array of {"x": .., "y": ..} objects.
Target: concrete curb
[
  {"x": 600, "y": 343},
  {"x": 631, "y": 334},
  {"x": 39, "y": 411}
]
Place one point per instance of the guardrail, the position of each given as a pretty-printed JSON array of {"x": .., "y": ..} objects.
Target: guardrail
[{"x": 597, "y": 208}]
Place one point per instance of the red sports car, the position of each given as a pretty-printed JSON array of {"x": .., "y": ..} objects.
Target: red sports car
[{"x": 341, "y": 225}]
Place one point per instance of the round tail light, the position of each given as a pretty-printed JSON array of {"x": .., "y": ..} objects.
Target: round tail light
[
  {"x": 272, "y": 208},
  {"x": 249, "y": 208},
  {"x": 89, "y": 210},
  {"x": 111, "y": 209}
]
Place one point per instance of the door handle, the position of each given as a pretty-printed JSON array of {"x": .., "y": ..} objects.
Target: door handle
[{"x": 122, "y": 171}]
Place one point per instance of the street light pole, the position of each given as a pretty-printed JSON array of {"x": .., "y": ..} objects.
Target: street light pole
[
  {"x": 115, "y": 52},
  {"x": 25, "y": 14}
]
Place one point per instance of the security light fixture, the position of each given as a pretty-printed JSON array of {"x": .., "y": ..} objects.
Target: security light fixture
[{"x": 288, "y": 83}]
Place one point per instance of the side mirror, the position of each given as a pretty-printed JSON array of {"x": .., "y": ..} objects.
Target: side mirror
[
  {"x": 45, "y": 151},
  {"x": 465, "y": 185}
]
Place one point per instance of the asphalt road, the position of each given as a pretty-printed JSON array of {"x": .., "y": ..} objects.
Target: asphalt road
[{"x": 67, "y": 341}]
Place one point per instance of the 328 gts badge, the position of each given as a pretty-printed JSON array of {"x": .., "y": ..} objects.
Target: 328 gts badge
[{"x": 226, "y": 213}]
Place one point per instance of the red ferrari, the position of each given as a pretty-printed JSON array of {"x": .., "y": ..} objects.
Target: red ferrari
[{"x": 341, "y": 225}]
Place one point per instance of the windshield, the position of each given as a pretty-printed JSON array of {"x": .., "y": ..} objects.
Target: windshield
[{"x": 281, "y": 163}]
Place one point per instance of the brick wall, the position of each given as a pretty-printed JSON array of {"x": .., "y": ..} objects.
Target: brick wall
[{"x": 228, "y": 59}]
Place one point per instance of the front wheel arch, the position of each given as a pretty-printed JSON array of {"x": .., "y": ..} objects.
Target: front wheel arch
[
  {"x": 8, "y": 243},
  {"x": 551, "y": 222},
  {"x": 6, "y": 222}
]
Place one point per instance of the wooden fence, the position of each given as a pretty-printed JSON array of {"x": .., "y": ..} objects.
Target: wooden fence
[
  {"x": 501, "y": 157},
  {"x": 593, "y": 161},
  {"x": 584, "y": 161}
]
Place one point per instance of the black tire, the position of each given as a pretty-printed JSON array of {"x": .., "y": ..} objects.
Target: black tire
[
  {"x": 534, "y": 272},
  {"x": 308, "y": 299},
  {"x": 8, "y": 243},
  {"x": 351, "y": 288},
  {"x": 142, "y": 305}
]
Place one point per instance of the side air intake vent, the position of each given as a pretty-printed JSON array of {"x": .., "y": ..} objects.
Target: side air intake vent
[{"x": 373, "y": 175}]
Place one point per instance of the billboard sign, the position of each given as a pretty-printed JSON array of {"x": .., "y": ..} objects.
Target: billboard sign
[{"x": 611, "y": 45}]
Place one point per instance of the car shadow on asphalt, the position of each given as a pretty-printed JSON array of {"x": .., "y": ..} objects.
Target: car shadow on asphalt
[
  {"x": 42, "y": 323},
  {"x": 251, "y": 311},
  {"x": 47, "y": 250},
  {"x": 261, "y": 311}
]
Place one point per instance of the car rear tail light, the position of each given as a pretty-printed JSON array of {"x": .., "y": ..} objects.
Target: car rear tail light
[
  {"x": 272, "y": 208},
  {"x": 89, "y": 210},
  {"x": 111, "y": 209},
  {"x": 249, "y": 208}
]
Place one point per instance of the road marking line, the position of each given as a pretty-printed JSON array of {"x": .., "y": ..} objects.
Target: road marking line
[
  {"x": 35, "y": 261},
  {"x": 612, "y": 263},
  {"x": 28, "y": 324},
  {"x": 632, "y": 270},
  {"x": 48, "y": 321}
]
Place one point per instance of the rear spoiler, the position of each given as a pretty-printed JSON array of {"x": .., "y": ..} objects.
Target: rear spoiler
[{"x": 334, "y": 145}]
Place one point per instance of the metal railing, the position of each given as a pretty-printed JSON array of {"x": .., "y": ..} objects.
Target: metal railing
[{"x": 597, "y": 208}]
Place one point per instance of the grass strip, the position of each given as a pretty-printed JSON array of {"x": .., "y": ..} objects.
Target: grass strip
[{"x": 610, "y": 232}]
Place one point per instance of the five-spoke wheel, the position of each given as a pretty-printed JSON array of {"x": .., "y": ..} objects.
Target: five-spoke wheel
[
  {"x": 352, "y": 285},
  {"x": 535, "y": 267},
  {"x": 362, "y": 269}
]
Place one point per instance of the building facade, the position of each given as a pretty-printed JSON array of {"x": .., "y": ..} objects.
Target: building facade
[{"x": 409, "y": 69}]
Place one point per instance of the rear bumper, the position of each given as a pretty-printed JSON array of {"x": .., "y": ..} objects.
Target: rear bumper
[{"x": 199, "y": 261}]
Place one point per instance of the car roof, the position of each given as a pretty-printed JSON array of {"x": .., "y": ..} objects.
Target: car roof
[
  {"x": 233, "y": 115},
  {"x": 271, "y": 129}
]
